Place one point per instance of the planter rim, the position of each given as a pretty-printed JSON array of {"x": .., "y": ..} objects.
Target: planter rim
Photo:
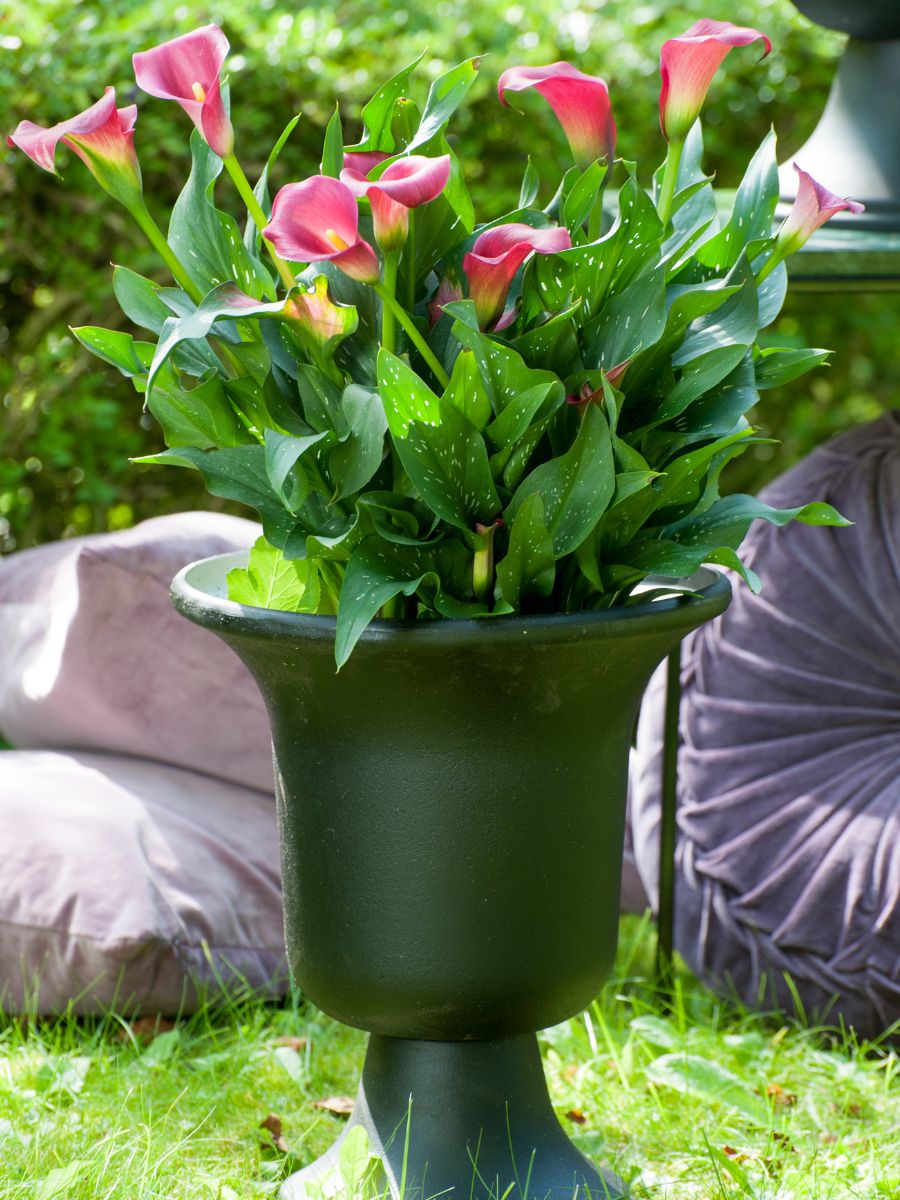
[{"x": 199, "y": 592}]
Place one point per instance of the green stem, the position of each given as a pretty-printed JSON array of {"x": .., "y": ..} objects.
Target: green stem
[
  {"x": 670, "y": 178},
  {"x": 260, "y": 220},
  {"x": 769, "y": 266},
  {"x": 155, "y": 237},
  {"x": 595, "y": 221},
  {"x": 413, "y": 334},
  {"x": 410, "y": 256},
  {"x": 391, "y": 263}
]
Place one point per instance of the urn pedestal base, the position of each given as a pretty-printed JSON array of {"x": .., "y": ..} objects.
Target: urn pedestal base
[{"x": 472, "y": 1120}]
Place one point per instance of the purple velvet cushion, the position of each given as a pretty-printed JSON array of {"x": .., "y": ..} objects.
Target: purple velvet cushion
[
  {"x": 93, "y": 655},
  {"x": 789, "y": 770},
  {"x": 128, "y": 883}
]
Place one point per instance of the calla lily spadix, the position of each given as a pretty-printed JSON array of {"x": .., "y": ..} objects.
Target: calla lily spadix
[
  {"x": 580, "y": 102},
  {"x": 318, "y": 221},
  {"x": 103, "y": 138},
  {"x": 407, "y": 183},
  {"x": 688, "y": 63},
  {"x": 188, "y": 70},
  {"x": 495, "y": 257}
]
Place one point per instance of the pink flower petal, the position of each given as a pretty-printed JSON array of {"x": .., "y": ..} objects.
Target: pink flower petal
[
  {"x": 813, "y": 206},
  {"x": 317, "y": 221},
  {"x": 40, "y": 143},
  {"x": 495, "y": 257},
  {"x": 580, "y": 102},
  {"x": 363, "y": 161},
  {"x": 687, "y": 65},
  {"x": 176, "y": 69}
]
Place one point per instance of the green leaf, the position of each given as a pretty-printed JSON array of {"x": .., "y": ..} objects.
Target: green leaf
[
  {"x": 321, "y": 400},
  {"x": 582, "y": 196},
  {"x": 441, "y": 451},
  {"x": 225, "y": 302},
  {"x": 200, "y": 416},
  {"x": 752, "y": 214},
  {"x": 208, "y": 242},
  {"x": 679, "y": 483},
  {"x": 59, "y": 1182},
  {"x": 236, "y": 473},
  {"x": 726, "y": 522},
  {"x": 633, "y": 319},
  {"x": 377, "y": 571},
  {"x": 531, "y": 183},
  {"x": 466, "y": 391},
  {"x": 139, "y": 299},
  {"x": 444, "y": 97},
  {"x": 706, "y": 1080},
  {"x": 284, "y": 468},
  {"x": 333, "y": 148},
  {"x": 113, "y": 346},
  {"x": 357, "y": 457},
  {"x": 575, "y": 487},
  {"x": 775, "y": 367},
  {"x": 376, "y": 115},
  {"x": 272, "y": 581},
  {"x": 528, "y": 568}
]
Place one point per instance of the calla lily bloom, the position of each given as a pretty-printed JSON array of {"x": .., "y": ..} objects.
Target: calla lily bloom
[
  {"x": 361, "y": 162},
  {"x": 687, "y": 65},
  {"x": 319, "y": 318},
  {"x": 813, "y": 206},
  {"x": 449, "y": 289},
  {"x": 580, "y": 102},
  {"x": 318, "y": 221},
  {"x": 407, "y": 183},
  {"x": 103, "y": 138},
  {"x": 187, "y": 69},
  {"x": 496, "y": 256}
]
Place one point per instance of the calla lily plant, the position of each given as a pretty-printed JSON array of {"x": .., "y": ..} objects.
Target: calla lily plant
[{"x": 438, "y": 414}]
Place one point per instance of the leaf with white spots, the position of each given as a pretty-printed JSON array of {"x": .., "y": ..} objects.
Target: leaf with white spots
[
  {"x": 575, "y": 487},
  {"x": 440, "y": 449}
]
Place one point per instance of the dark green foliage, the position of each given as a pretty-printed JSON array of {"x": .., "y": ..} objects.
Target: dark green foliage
[{"x": 70, "y": 424}]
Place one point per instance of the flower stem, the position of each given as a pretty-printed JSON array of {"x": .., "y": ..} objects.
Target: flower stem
[
  {"x": 410, "y": 256},
  {"x": 156, "y": 238},
  {"x": 415, "y": 337},
  {"x": 769, "y": 266},
  {"x": 670, "y": 178},
  {"x": 242, "y": 183},
  {"x": 391, "y": 263}
]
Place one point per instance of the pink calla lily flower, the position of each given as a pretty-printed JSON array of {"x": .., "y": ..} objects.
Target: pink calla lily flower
[
  {"x": 449, "y": 289},
  {"x": 188, "y": 70},
  {"x": 103, "y": 138},
  {"x": 318, "y": 221},
  {"x": 318, "y": 317},
  {"x": 580, "y": 102},
  {"x": 813, "y": 206},
  {"x": 495, "y": 257},
  {"x": 361, "y": 162},
  {"x": 687, "y": 65},
  {"x": 407, "y": 183}
]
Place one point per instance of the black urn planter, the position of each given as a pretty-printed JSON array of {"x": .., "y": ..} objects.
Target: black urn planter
[{"x": 452, "y": 810}]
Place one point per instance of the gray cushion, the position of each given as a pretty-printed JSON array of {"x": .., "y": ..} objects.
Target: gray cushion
[
  {"x": 93, "y": 655},
  {"x": 129, "y": 883},
  {"x": 789, "y": 789}
]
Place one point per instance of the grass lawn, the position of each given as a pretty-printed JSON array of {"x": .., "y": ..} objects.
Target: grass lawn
[{"x": 698, "y": 1101}]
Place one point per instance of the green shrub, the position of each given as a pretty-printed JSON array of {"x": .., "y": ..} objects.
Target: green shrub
[{"x": 69, "y": 425}]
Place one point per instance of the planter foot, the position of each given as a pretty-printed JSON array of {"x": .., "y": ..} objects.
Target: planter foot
[{"x": 481, "y": 1127}]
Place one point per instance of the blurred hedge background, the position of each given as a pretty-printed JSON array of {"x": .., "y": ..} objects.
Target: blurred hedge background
[{"x": 69, "y": 424}]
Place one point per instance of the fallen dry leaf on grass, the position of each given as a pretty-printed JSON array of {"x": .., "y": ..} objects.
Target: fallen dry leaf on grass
[
  {"x": 272, "y": 1125},
  {"x": 779, "y": 1096},
  {"x": 341, "y": 1106},
  {"x": 292, "y": 1043}
]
